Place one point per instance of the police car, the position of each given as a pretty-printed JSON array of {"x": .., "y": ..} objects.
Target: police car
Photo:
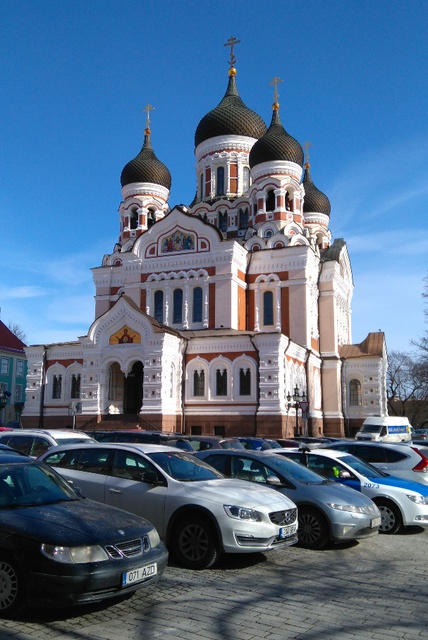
[{"x": 402, "y": 503}]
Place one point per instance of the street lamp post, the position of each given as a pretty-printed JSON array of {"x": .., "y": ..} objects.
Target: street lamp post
[
  {"x": 297, "y": 397},
  {"x": 4, "y": 396}
]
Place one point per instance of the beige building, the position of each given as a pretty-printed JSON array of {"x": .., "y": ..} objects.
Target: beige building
[{"x": 231, "y": 315}]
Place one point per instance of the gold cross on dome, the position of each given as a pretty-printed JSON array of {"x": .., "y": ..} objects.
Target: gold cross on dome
[
  {"x": 231, "y": 43},
  {"x": 275, "y": 82},
  {"x": 307, "y": 145},
  {"x": 147, "y": 109}
]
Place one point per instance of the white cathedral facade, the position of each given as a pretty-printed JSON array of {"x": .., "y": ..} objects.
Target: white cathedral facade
[{"x": 229, "y": 316}]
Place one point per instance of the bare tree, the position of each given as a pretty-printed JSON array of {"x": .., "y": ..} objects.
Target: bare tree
[
  {"x": 407, "y": 385},
  {"x": 17, "y": 331},
  {"x": 422, "y": 344}
]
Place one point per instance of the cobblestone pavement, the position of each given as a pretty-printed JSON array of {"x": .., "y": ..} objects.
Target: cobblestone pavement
[{"x": 372, "y": 590}]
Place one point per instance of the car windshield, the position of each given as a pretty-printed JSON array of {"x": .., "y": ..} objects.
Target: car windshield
[
  {"x": 184, "y": 467},
  {"x": 362, "y": 467},
  {"x": 371, "y": 428},
  {"x": 295, "y": 471},
  {"x": 31, "y": 484}
]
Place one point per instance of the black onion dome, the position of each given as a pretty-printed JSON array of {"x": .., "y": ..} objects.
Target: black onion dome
[
  {"x": 230, "y": 117},
  {"x": 146, "y": 167},
  {"x": 276, "y": 144},
  {"x": 315, "y": 200}
]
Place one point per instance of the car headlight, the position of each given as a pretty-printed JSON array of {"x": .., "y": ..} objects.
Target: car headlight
[
  {"x": 352, "y": 508},
  {"x": 74, "y": 555},
  {"x": 418, "y": 498},
  {"x": 154, "y": 538},
  {"x": 242, "y": 513}
]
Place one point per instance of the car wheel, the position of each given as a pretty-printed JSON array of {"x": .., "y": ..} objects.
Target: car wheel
[
  {"x": 195, "y": 543},
  {"x": 391, "y": 520},
  {"x": 313, "y": 529},
  {"x": 11, "y": 588}
]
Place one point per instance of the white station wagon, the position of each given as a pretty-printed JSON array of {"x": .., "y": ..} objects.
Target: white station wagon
[{"x": 197, "y": 511}]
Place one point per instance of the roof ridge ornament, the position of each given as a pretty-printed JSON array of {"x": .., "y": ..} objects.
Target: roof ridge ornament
[
  {"x": 231, "y": 43},
  {"x": 307, "y": 145},
  {"x": 147, "y": 109},
  {"x": 275, "y": 82}
]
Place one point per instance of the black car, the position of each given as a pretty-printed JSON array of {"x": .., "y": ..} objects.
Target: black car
[
  {"x": 58, "y": 548},
  {"x": 147, "y": 437}
]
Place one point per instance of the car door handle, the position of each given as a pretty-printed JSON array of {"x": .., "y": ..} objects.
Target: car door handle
[{"x": 115, "y": 490}]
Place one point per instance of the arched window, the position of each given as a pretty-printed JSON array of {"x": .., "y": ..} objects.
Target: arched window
[
  {"x": 158, "y": 306},
  {"x": 134, "y": 219},
  {"x": 270, "y": 200},
  {"x": 201, "y": 185},
  {"x": 268, "y": 308},
  {"x": 244, "y": 382},
  {"x": 197, "y": 305},
  {"x": 56, "y": 387},
  {"x": 355, "y": 399},
  {"x": 221, "y": 382},
  {"x": 222, "y": 220},
  {"x": 177, "y": 313},
  {"x": 245, "y": 180},
  {"x": 199, "y": 383},
  {"x": 220, "y": 181},
  {"x": 243, "y": 218},
  {"x": 75, "y": 385}
]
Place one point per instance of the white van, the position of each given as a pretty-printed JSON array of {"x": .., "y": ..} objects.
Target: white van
[{"x": 387, "y": 429}]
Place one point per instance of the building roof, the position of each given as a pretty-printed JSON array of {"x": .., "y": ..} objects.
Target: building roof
[
  {"x": 230, "y": 117},
  {"x": 315, "y": 200},
  {"x": 146, "y": 167},
  {"x": 9, "y": 341},
  {"x": 373, "y": 345},
  {"x": 276, "y": 144}
]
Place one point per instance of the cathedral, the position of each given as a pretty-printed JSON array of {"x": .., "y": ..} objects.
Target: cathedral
[{"x": 228, "y": 316}]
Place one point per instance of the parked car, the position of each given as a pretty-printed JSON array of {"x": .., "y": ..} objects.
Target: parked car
[
  {"x": 419, "y": 434},
  {"x": 58, "y": 548},
  {"x": 197, "y": 511},
  {"x": 149, "y": 437},
  {"x": 14, "y": 424},
  {"x": 34, "y": 442},
  {"x": 327, "y": 511},
  {"x": 200, "y": 443},
  {"x": 401, "y": 502},
  {"x": 258, "y": 444},
  {"x": 5, "y": 450},
  {"x": 407, "y": 460}
]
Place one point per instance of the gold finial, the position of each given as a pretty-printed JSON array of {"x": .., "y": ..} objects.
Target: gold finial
[
  {"x": 275, "y": 82},
  {"x": 307, "y": 145},
  {"x": 147, "y": 109},
  {"x": 231, "y": 43}
]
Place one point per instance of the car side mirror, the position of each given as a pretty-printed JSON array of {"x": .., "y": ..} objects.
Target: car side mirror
[
  {"x": 151, "y": 477},
  {"x": 274, "y": 481}
]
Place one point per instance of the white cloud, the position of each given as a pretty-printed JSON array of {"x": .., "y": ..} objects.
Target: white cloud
[{"x": 24, "y": 291}]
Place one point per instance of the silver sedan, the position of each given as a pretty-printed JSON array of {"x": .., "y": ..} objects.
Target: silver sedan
[{"x": 327, "y": 511}]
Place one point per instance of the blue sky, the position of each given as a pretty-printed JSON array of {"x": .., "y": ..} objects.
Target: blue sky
[{"x": 75, "y": 77}]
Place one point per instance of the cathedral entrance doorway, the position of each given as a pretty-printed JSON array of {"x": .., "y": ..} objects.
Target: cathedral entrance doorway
[{"x": 133, "y": 389}]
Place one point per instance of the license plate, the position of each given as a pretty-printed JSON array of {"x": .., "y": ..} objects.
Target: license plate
[
  {"x": 137, "y": 575},
  {"x": 376, "y": 522},
  {"x": 289, "y": 530}
]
